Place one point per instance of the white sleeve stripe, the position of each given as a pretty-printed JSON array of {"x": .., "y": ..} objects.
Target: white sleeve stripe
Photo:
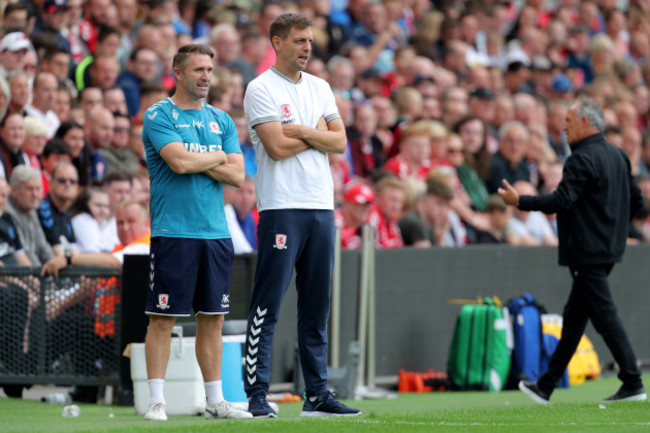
[{"x": 332, "y": 116}]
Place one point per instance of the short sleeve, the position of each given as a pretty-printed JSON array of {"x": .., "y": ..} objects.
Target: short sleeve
[
  {"x": 158, "y": 129},
  {"x": 258, "y": 106},
  {"x": 330, "y": 110}
]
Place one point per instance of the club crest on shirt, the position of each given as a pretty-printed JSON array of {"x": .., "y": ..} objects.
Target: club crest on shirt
[
  {"x": 280, "y": 242},
  {"x": 163, "y": 301},
  {"x": 214, "y": 128},
  {"x": 286, "y": 110}
]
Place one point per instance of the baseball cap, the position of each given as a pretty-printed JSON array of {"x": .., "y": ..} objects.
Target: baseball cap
[
  {"x": 359, "y": 194},
  {"x": 561, "y": 83},
  {"x": 15, "y": 41},
  {"x": 482, "y": 93},
  {"x": 52, "y": 6}
]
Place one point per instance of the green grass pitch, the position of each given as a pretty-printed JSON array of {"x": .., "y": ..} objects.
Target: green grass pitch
[{"x": 577, "y": 409}]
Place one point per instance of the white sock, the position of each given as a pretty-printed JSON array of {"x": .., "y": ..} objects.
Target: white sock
[
  {"x": 213, "y": 392},
  {"x": 156, "y": 390}
]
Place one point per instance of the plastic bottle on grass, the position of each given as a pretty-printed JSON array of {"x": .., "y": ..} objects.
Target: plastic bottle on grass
[{"x": 71, "y": 411}]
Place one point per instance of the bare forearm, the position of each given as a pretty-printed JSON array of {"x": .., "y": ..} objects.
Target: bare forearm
[
  {"x": 226, "y": 173},
  {"x": 285, "y": 147},
  {"x": 232, "y": 172},
  {"x": 182, "y": 161},
  {"x": 326, "y": 141}
]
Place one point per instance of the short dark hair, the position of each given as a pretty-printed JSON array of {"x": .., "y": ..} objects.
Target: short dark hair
[
  {"x": 15, "y": 6},
  {"x": 282, "y": 25},
  {"x": 138, "y": 50},
  {"x": 56, "y": 146},
  {"x": 105, "y": 32},
  {"x": 66, "y": 126},
  {"x": 117, "y": 175},
  {"x": 49, "y": 54},
  {"x": 440, "y": 189},
  {"x": 149, "y": 87},
  {"x": 180, "y": 58}
]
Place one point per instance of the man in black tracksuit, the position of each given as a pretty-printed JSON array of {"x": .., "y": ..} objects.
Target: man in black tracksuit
[{"x": 594, "y": 204}]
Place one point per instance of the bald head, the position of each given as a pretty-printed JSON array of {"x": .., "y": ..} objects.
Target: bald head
[{"x": 99, "y": 128}]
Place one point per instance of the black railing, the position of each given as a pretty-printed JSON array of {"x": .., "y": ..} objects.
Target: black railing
[{"x": 61, "y": 331}]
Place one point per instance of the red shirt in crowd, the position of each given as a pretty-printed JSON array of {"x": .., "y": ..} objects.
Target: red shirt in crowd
[{"x": 387, "y": 232}]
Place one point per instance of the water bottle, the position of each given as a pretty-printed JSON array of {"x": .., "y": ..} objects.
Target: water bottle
[
  {"x": 71, "y": 411},
  {"x": 57, "y": 398}
]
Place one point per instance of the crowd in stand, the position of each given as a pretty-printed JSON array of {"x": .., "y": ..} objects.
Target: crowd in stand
[{"x": 441, "y": 100}]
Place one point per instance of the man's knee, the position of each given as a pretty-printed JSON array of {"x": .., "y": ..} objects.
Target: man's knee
[{"x": 161, "y": 324}]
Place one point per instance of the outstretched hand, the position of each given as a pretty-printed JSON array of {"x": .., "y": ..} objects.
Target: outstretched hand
[{"x": 509, "y": 194}]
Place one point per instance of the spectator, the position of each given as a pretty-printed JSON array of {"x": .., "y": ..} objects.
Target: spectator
[
  {"x": 244, "y": 204},
  {"x": 119, "y": 186},
  {"x": 54, "y": 16},
  {"x": 632, "y": 147},
  {"x": 10, "y": 244},
  {"x": 90, "y": 98},
  {"x": 414, "y": 151},
  {"x": 142, "y": 67},
  {"x": 150, "y": 93},
  {"x": 499, "y": 216},
  {"x": 556, "y": 135},
  {"x": 475, "y": 162},
  {"x": 62, "y": 106},
  {"x": 57, "y": 62},
  {"x": 115, "y": 101},
  {"x": 26, "y": 195},
  {"x": 108, "y": 41},
  {"x": 19, "y": 94},
  {"x": 247, "y": 148},
  {"x": 35, "y": 141},
  {"x": 428, "y": 224},
  {"x": 481, "y": 103},
  {"x": 16, "y": 17},
  {"x": 55, "y": 151},
  {"x": 226, "y": 44},
  {"x": 357, "y": 202},
  {"x": 53, "y": 210},
  {"x": 98, "y": 131},
  {"x": 45, "y": 86},
  {"x": 141, "y": 190},
  {"x": 91, "y": 226},
  {"x": 530, "y": 228},
  {"x": 379, "y": 35},
  {"x": 390, "y": 196},
  {"x": 12, "y": 138},
  {"x": 253, "y": 51},
  {"x": 13, "y": 49},
  {"x": 508, "y": 163},
  {"x": 118, "y": 155},
  {"x": 364, "y": 146}
]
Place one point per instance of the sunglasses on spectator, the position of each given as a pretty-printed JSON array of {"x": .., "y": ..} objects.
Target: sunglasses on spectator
[
  {"x": 120, "y": 129},
  {"x": 64, "y": 180},
  {"x": 454, "y": 150}
]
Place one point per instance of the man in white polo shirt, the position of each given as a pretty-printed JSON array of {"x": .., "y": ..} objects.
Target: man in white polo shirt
[{"x": 294, "y": 123}]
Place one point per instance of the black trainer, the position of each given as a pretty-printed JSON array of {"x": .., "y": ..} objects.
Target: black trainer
[
  {"x": 532, "y": 391},
  {"x": 626, "y": 395},
  {"x": 326, "y": 405},
  {"x": 260, "y": 408}
]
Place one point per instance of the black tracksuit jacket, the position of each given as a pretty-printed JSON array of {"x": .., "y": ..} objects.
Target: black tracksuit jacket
[{"x": 594, "y": 203}]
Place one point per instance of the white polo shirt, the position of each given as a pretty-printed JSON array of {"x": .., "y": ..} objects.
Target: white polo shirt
[{"x": 303, "y": 181}]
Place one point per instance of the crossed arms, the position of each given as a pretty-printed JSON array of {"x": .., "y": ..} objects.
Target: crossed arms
[
  {"x": 283, "y": 141},
  {"x": 219, "y": 166}
]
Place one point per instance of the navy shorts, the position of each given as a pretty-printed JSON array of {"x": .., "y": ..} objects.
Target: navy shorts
[{"x": 189, "y": 273}]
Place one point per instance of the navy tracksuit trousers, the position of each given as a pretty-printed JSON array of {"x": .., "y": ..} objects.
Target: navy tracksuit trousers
[{"x": 304, "y": 239}]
